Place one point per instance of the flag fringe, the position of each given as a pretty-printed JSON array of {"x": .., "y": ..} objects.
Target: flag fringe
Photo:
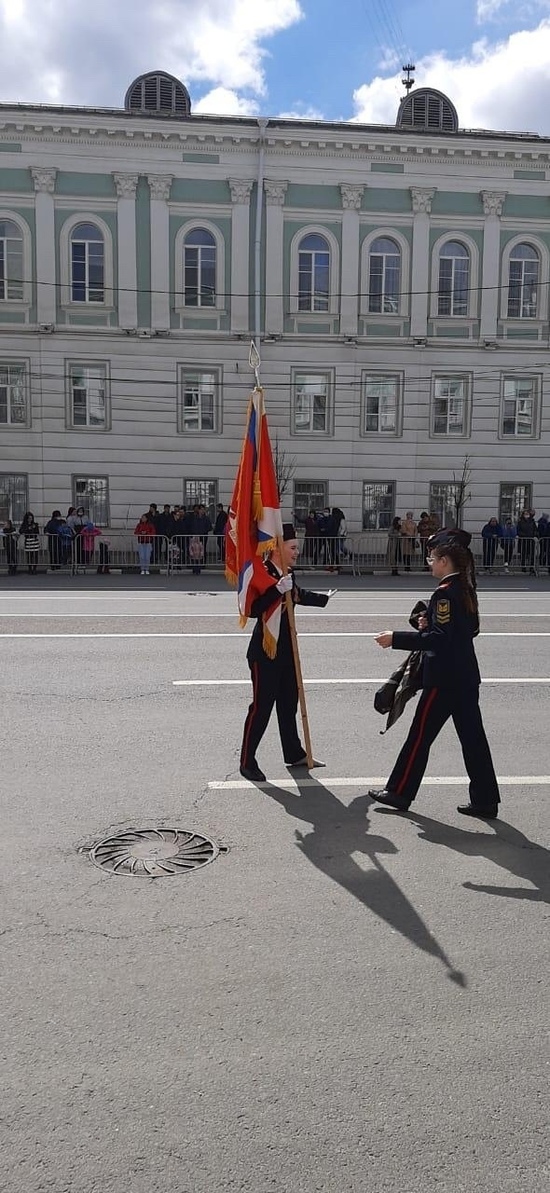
[
  {"x": 269, "y": 644},
  {"x": 231, "y": 577}
]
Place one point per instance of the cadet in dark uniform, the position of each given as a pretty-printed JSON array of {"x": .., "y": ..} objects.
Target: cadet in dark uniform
[
  {"x": 450, "y": 681},
  {"x": 274, "y": 680}
]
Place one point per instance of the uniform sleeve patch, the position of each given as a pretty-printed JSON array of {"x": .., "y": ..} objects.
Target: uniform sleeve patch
[{"x": 443, "y": 612}]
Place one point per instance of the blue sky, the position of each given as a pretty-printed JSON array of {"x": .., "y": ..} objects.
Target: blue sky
[{"x": 317, "y": 58}]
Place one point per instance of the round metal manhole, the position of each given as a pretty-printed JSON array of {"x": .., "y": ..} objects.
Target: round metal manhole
[{"x": 154, "y": 852}]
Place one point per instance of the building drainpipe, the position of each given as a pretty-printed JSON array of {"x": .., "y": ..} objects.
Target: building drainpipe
[{"x": 262, "y": 125}]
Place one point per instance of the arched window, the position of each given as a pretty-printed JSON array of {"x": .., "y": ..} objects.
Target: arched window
[
  {"x": 523, "y": 282},
  {"x": 314, "y": 273},
  {"x": 87, "y": 264},
  {"x": 454, "y": 279},
  {"x": 384, "y": 277},
  {"x": 199, "y": 268},
  {"x": 11, "y": 262}
]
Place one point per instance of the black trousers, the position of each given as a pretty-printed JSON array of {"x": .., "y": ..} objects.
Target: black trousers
[
  {"x": 433, "y": 710},
  {"x": 273, "y": 684}
]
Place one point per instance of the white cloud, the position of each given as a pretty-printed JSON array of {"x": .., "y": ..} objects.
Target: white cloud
[
  {"x": 487, "y": 10},
  {"x": 70, "y": 53},
  {"x": 301, "y": 112},
  {"x": 504, "y": 85},
  {"x": 221, "y": 101}
]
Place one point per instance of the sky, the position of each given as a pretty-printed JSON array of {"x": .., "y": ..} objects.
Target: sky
[{"x": 316, "y": 59}]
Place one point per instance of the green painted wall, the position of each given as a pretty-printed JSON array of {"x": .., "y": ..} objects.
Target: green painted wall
[
  {"x": 10, "y": 147},
  {"x": 530, "y": 175},
  {"x": 366, "y": 229},
  {"x": 475, "y": 234},
  {"x": 208, "y": 158},
  {"x": 93, "y": 186},
  {"x": 385, "y": 200},
  {"x": 16, "y": 180},
  {"x": 527, "y": 206},
  {"x": 387, "y": 168},
  {"x": 199, "y": 191},
  {"x": 456, "y": 203},
  {"x": 300, "y": 195}
]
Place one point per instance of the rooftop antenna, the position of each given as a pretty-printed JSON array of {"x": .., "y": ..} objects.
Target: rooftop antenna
[{"x": 408, "y": 82}]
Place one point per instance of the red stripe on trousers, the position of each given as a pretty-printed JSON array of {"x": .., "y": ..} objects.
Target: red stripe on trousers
[
  {"x": 418, "y": 741},
  {"x": 252, "y": 713}
]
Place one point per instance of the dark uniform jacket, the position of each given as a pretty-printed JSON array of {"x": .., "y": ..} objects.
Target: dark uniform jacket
[
  {"x": 449, "y": 659},
  {"x": 300, "y": 596}
]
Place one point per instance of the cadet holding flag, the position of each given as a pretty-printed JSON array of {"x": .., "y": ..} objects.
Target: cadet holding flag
[{"x": 450, "y": 681}]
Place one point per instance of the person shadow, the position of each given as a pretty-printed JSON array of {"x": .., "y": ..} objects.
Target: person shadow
[
  {"x": 338, "y": 833},
  {"x": 506, "y": 846}
]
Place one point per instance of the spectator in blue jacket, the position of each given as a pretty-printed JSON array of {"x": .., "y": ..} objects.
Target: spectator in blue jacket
[
  {"x": 509, "y": 536},
  {"x": 491, "y": 535}
]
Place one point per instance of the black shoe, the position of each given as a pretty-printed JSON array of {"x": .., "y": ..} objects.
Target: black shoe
[
  {"x": 481, "y": 813},
  {"x": 390, "y": 799},
  {"x": 253, "y": 773},
  {"x": 302, "y": 763}
]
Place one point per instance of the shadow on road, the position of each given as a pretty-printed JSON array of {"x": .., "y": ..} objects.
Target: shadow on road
[
  {"x": 505, "y": 846},
  {"x": 339, "y": 832}
]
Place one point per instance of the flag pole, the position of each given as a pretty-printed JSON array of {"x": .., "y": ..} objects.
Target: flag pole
[{"x": 255, "y": 362}]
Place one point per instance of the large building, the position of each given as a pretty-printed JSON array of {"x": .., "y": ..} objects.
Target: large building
[{"x": 395, "y": 279}]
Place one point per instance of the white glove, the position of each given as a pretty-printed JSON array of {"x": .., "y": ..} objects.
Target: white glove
[
  {"x": 331, "y": 592},
  {"x": 284, "y": 585}
]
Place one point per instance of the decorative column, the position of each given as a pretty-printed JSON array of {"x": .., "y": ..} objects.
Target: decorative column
[
  {"x": 46, "y": 289},
  {"x": 159, "y": 185},
  {"x": 126, "y": 185},
  {"x": 241, "y": 190},
  {"x": 274, "y": 263},
  {"x": 349, "y": 301},
  {"x": 420, "y": 282},
  {"x": 493, "y": 202}
]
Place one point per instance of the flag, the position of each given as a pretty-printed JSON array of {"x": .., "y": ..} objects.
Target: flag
[{"x": 255, "y": 521}]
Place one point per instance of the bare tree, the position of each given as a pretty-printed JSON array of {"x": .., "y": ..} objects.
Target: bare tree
[
  {"x": 285, "y": 468},
  {"x": 462, "y": 492}
]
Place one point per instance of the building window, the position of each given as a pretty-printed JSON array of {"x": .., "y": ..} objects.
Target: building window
[
  {"x": 445, "y": 497},
  {"x": 198, "y": 406},
  {"x": 199, "y": 268},
  {"x": 523, "y": 282},
  {"x": 87, "y": 264},
  {"x": 11, "y": 262},
  {"x": 92, "y": 493},
  {"x": 513, "y": 499},
  {"x": 378, "y": 504},
  {"x": 454, "y": 279},
  {"x": 313, "y": 273},
  {"x": 311, "y": 407},
  {"x": 381, "y": 403},
  {"x": 450, "y": 406},
  {"x": 14, "y": 497},
  {"x": 384, "y": 277},
  {"x": 309, "y": 495},
  {"x": 519, "y": 411},
  {"x": 197, "y": 492},
  {"x": 14, "y": 404},
  {"x": 88, "y": 396}
]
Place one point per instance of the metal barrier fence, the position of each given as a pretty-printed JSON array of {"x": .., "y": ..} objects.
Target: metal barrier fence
[{"x": 364, "y": 553}]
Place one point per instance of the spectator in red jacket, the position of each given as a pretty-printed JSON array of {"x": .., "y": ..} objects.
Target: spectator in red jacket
[{"x": 145, "y": 533}]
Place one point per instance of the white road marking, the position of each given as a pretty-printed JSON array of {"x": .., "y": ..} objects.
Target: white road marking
[
  {"x": 215, "y": 616},
  {"x": 242, "y": 634},
  {"x": 215, "y": 683},
  {"x": 361, "y": 781}
]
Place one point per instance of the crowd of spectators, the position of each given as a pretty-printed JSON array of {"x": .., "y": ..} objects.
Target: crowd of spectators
[{"x": 520, "y": 539}]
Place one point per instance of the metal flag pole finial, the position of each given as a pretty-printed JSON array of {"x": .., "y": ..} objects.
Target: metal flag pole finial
[{"x": 254, "y": 361}]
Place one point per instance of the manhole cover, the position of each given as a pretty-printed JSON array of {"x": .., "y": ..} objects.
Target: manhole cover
[{"x": 153, "y": 852}]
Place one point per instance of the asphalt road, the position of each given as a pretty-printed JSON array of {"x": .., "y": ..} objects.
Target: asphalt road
[{"x": 346, "y": 999}]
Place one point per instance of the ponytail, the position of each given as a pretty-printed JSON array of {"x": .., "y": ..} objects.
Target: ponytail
[{"x": 463, "y": 560}]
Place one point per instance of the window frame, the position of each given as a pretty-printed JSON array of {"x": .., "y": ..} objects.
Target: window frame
[
  {"x": 65, "y": 256},
  {"x": 536, "y": 380},
  {"x": 467, "y": 420},
  {"x": 18, "y": 304},
  {"x": 25, "y": 365},
  {"x": 328, "y": 429},
  {"x": 221, "y": 304},
  {"x": 5, "y": 489},
  {"x": 334, "y": 273},
  {"x": 404, "y": 275},
  {"x": 78, "y": 499},
  {"x": 400, "y": 384},
  {"x": 444, "y": 521},
  {"x": 388, "y": 514},
  {"x": 87, "y": 427},
  {"x": 527, "y": 502},
  {"x": 306, "y": 482},
  {"x": 384, "y": 271},
  {"x": 188, "y": 370},
  {"x": 523, "y": 261},
  {"x": 212, "y": 501},
  {"x": 538, "y": 245},
  {"x": 88, "y": 264},
  {"x": 454, "y": 291},
  {"x": 474, "y": 297}
]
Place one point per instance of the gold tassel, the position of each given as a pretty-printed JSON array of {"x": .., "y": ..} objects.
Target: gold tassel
[
  {"x": 231, "y": 577},
  {"x": 257, "y": 507},
  {"x": 269, "y": 644}
]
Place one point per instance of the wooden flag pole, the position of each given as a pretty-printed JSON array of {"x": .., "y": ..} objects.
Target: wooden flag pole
[{"x": 254, "y": 362}]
